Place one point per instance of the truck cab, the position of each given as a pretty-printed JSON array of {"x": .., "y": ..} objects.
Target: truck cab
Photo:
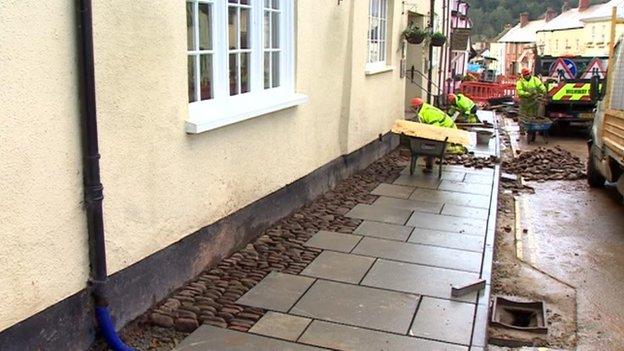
[{"x": 606, "y": 143}]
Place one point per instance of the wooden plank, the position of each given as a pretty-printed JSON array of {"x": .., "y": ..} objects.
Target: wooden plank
[
  {"x": 615, "y": 114},
  {"x": 610, "y": 125},
  {"x": 617, "y": 149},
  {"x": 426, "y": 131}
]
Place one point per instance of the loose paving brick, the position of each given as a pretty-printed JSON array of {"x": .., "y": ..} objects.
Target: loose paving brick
[
  {"x": 420, "y": 254},
  {"x": 384, "y": 230},
  {"x": 277, "y": 292},
  {"x": 449, "y": 197},
  {"x": 380, "y": 214},
  {"x": 467, "y": 212},
  {"x": 410, "y": 278},
  {"x": 446, "y": 239},
  {"x": 391, "y": 190},
  {"x": 461, "y": 187},
  {"x": 444, "y": 320},
  {"x": 358, "y": 306},
  {"x": 412, "y": 205},
  {"x": 333, "y": 241},
  {"x": 281, "y": 326},
  {"x": 339, "y": 266},
  {"x": 213, "y": 338},
  {"x": 448, "y": 223},
  {"x": 342, "y": 337}
]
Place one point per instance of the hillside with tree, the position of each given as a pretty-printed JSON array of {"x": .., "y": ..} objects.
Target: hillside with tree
[{"x": 490, "y": 16}]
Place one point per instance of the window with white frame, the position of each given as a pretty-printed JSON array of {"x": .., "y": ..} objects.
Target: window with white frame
[
  {"x": 377, "y": 32},
  {"x": 240, "y": 60}
]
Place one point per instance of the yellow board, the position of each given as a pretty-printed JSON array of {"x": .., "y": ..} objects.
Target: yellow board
[{"x": 426, "y": 131}]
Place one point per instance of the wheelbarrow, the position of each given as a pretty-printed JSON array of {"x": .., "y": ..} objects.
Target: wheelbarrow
[
  {"x": 533, "y": 126},
  {"x": 425, "y": 147}
]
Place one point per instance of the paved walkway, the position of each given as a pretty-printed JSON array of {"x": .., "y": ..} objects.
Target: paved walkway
[{"x": 387, "y": 286}]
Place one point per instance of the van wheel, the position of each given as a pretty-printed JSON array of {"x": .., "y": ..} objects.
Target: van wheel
[{"x": 594, "y": 178}]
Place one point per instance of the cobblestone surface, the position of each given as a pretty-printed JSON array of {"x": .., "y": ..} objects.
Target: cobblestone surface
[{"x": 210, "y": 297}]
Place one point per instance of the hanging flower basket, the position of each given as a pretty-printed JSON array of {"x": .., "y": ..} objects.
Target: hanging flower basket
[
  {"x": 437, "y": 39},
  {"x": 414, "y": 35},
  {"x": 417, "y": 38}
]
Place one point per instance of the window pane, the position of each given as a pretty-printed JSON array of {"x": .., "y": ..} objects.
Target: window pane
[
  {"x": 275, "y": 69},
  {"x": 191, "y": 79},
  {"x": 383, "y": 8},
  {"x": 245, "y": 57},
  {"x": 205, "y": 65},
  {"x": 275, "y": 29},
  {"x": 233, "y": 27},
  {"x": 244, "y": 29},
  {"x": 267, "y": 3},
  {"x": 267, "y": 29},
  {"x": 375, "y": 8},
  {"x": 205, "y": 29},
  {"x": 374, "y": 29},
  {"x": 233, "y": 74},
  {"x": 267, "y": 70},
  {"x": 190, "y": 42},
  {"x": 245, "y": 2},
  {"x": 233, "y": 1},
  {"x": 276, "y": 4},
  {"x": 382, "y": 30}
]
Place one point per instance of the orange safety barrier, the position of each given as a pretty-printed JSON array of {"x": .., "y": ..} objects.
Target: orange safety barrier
[
  {"x": 482, "y": 92},
  {"x": 507, "y": 79}
]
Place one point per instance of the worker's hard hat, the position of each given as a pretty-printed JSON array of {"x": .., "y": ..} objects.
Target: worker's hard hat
[
  {"x": 417, "y": 102},
  {"x": 526, "y": 72},
  {"x": 451, "y": 98}
]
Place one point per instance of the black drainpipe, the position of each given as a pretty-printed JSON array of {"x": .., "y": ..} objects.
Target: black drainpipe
[
  {"x": 93, "y": 189},
  {"x": 430, "y": 70}
]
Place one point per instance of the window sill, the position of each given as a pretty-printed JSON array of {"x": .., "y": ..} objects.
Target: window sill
[
  {"x": 206, "y": 116},
  {"x": 369, "y": 71}
]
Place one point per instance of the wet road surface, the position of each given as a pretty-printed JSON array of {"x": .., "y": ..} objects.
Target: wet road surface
[{"x": 576, "y": 234}]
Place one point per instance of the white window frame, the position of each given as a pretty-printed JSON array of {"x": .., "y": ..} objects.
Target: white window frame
[
  {"x": 224, "y": 109},
  {"x": 380, "y": 63}
]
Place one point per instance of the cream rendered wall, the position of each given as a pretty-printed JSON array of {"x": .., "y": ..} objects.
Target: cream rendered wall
[
  {"x": 376, "y": 100},
  {"x": 555, "y": 42},
  {"x": 43, "y": 240},
  {"x": 597, "y": 35},
  {"x": 160, "y": 183}
]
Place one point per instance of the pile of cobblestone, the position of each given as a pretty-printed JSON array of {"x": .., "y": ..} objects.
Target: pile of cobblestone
[
  {"x": 211, "y": 297},
  {"x": 546, "y": 164},
  {"x": 469, "y": 160}
]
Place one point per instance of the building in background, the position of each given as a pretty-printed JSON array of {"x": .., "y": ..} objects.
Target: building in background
[{"x": 460, "y": 48}]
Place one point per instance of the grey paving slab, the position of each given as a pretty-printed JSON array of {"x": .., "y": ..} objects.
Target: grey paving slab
[
  {"x": 412, "y": 205},
  {"x": 448, "y": 197},
  {"x": 469, "y": 170},
  {"x": 384, "y": 230},
  {"x": 461, "y": 187},
  {"x": 281, "y": 326},
  {"x": 464, "y": 211},
  {"x": 342, "y": 337},
  {"x": 417, "y": 279},
  {"x": 448, "y": 223},
  {"x": 392, "y": 190},
  {"x": 333, "y": 241},
  {"x": 208, "y": 338},
  {"x": 358, "y": 306},
  {"x": 479, "y": 179},
  {"x": 380, "y": 214},
  {"x": 421, "y": 254},
  {"x": 479, "y": 336},
  {"x": 448, "y": 175},
  {"x": 277, "y": 292},
  {"x": 339, "y": 266},
  {"x": 418, "y": 180},
  {"x": 446, "y": 239},
  {"x": 444, "y": 320}
]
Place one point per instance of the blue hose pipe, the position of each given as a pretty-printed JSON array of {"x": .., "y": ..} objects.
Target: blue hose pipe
[{"x": 108, "y": 330}]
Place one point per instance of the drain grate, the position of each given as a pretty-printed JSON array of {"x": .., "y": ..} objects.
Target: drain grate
[{"x": 525, "y": 316}]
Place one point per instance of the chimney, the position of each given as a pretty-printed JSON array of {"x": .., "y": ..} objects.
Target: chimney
[
  {"x": 550, "y": 14},
  {"x": 524, "y": 19},
  {"x": 566, "y": 6},
  {"x": 584, "y": 4}
]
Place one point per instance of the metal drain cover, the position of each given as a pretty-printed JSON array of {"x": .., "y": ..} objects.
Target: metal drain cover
[{"x": 525, "y": 316}]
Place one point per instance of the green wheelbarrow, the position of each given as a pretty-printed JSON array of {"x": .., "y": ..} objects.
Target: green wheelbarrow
[{"x": 425, "y": 147}]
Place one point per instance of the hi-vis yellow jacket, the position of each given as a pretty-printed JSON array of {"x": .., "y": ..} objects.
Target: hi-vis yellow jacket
[
  {"x": 429, "y": 114},
  {"x": 526, "y": 88}
]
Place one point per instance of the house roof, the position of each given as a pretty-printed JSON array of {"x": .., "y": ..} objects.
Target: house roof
[
  {"x": 573, "y": 18},
  {"x": 526, "y": 34},
  {"x": 604, "y": 11}
]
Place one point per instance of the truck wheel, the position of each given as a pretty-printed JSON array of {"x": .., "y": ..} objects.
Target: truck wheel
[{"x": 594, "y": 178}]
